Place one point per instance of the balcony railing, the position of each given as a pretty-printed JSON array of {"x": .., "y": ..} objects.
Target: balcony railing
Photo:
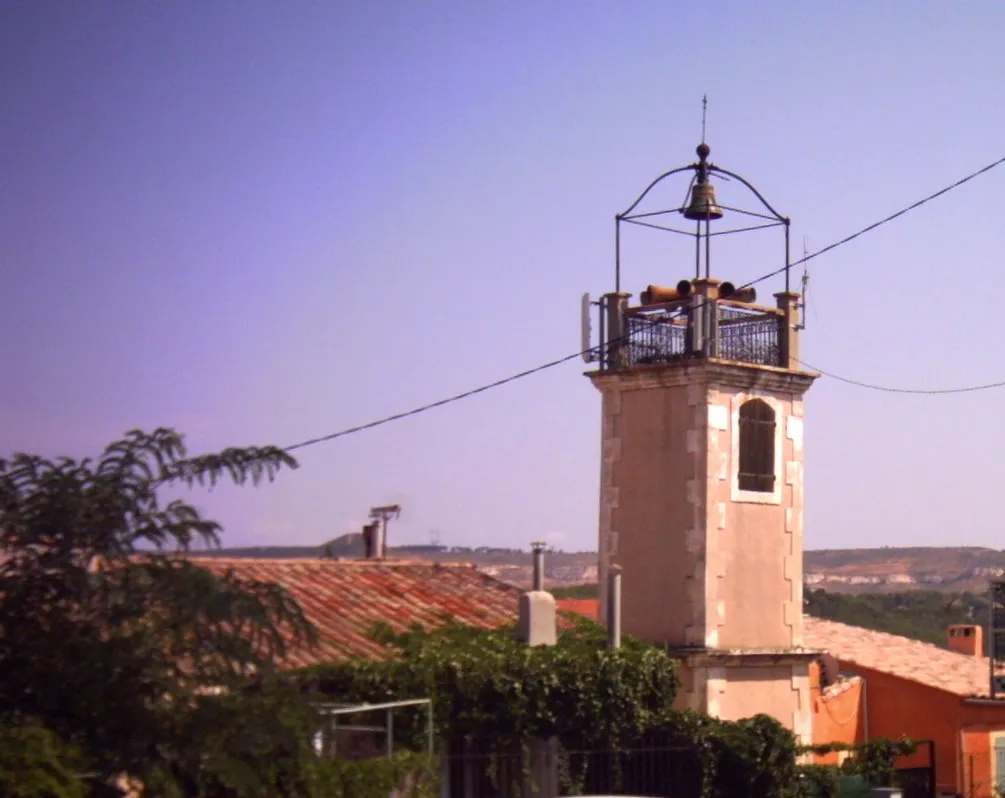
[{"x": 682, "y": 331}]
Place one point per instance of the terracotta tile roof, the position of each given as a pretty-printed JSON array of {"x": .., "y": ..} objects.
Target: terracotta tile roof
[
  {"x": 899, "y": 656},
  {"x": 344, "y": 599},
  {"x": 588, "y": 607}
]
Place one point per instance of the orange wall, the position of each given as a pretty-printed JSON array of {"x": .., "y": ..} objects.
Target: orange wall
[
  {"x": 836, "y": 718},
  {"x": 897, "y": 707}
]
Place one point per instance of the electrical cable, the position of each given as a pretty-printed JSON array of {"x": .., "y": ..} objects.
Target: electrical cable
[
  {"x": 439, "y": 403},
  {"x": 574, "y": 355},
  {"x": 889, "y": 218},
  {"x": 917, "y": 391}
]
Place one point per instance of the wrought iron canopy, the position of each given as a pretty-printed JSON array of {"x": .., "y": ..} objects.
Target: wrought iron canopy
[{"x": 702, "y": 207}]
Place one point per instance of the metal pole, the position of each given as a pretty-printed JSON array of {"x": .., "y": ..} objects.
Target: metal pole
[
  {"x": 614, "y": 607},
  {"x": 697, "y": 250},
  {"x": 617, "y": 254},
  {"x": 991, "y": 639},
  {"x": 708, "y": 245},
  {"x": 788, "y": 264},
  {"x": 538, "y": 548},
  {"x": 602, "y": 304},
  {"x": 390, "y": 733}
]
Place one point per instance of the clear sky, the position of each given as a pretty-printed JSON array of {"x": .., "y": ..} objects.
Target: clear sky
[{"x": 259, "y": 222}]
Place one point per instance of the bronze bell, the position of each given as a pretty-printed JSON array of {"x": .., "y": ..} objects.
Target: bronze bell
[{"x": 703, "y": 204}]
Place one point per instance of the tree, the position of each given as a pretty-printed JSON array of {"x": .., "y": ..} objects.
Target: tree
[{"x": 135, "y": 659}]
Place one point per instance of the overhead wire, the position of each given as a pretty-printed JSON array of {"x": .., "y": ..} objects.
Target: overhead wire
[
  {"x": 553, "y": 363},
  {"x": 889, "y": 389},
  {"x": 439, "y": 403}
]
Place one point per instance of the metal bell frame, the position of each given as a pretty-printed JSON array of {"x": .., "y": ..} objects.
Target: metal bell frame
[{"x": 700, "y": 195}]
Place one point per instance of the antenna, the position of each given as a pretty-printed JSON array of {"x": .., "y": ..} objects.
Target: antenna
[
  {"x": 704, "y": 109},
  {"x": 380, "y": 516},
  {"x": 804, "y": 281},
  {"x": 586, "y": 331}
]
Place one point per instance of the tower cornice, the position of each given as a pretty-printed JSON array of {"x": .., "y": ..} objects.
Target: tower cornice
[{"x": 705, "y": 371}]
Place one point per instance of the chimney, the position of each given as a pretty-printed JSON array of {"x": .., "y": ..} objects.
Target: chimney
[
  {"x": 967, "y": 639},
  {"x": 537, "y": 547},
  {"x": 373, "y": 545},
  {"x": 537, "y": 607}
]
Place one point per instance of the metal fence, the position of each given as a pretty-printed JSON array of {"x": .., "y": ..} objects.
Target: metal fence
[
  {"x": 743, "y": 335},
  {"x": 657, "y": 772},
  {"x": 918, "y": 781},
  {"x": 643, "y": 772},
  {"x": 653, "y": 772},
  {"x": 749, "y": 336}
]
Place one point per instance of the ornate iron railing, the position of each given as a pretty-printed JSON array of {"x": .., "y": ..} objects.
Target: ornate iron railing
[
  {"x": 748, "y": 336},
  {"x": 742, "y": 335}
]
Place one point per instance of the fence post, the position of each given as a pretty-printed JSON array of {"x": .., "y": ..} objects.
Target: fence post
[{"x": 788, "y": 335}]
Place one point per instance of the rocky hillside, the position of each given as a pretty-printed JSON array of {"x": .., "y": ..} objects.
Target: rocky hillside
[
  {"x": 835, "y": 570},
  {"x": 889, "y": 569}
]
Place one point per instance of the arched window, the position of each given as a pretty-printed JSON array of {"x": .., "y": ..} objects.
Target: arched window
[{"x": 757, "y": 446}]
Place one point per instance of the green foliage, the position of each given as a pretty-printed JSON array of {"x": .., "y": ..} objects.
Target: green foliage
[
  {"x": 415, "y": 775},
  {"x": 487, "y": 686},
  {"x": 493, "y": 696},
  {"x": 874, "y": 761},
  {"x": 136, "y": 660},
  {"x": 755, "y": 757},
  {"x": 817, "y": 781},
  {"x": 36, "y": 763},
  {"x": 917, "y": 614}
]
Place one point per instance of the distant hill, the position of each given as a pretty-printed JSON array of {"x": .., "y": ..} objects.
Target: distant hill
[
  {"x": 918, "y": 614},
  {"x": 854, "y": 571},
  {"x": 953, "y": 569}
]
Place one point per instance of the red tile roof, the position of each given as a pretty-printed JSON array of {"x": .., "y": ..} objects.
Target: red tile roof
[
  {"x": 907, "y": 659},
  {"x": 345, "y": 599},
  {"x": 588, "y": 607}
]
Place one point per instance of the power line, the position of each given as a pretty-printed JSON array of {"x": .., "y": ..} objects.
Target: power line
[
  {"x": 889, "y": 218},
  {"x": 551, "y": 364},
  {"x": 888, "y": 389},
  {"x": 441, "y": 402}
]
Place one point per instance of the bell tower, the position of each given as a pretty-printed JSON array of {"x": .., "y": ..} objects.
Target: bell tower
[{"x": 701, "y": 500}]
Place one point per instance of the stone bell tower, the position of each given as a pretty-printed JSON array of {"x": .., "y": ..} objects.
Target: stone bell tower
[{"x": 702, "y": 466}]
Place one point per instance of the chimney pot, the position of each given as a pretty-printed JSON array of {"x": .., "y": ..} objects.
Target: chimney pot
[
  {"x": 537, "y": 547},
  {"x": 967, "y": 639}
]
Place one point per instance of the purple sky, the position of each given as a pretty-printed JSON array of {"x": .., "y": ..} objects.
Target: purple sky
[{"x": 260, "y": 222}]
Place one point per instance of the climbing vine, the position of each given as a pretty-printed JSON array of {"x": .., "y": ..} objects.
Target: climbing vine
[
  {"x": 487, "y": 686},
  {"x": 410, "y": 774},
  {"x": 493, "y": 696},
  {"x": 873, "y": 761}
]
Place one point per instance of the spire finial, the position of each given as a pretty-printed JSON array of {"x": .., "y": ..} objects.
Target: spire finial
[{"x": 704, "y": 109}]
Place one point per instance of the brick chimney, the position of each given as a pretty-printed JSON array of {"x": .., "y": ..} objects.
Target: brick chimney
[{"x": 967, "y": 639}]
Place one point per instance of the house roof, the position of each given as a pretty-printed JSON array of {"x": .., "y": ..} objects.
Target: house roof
[
  {"x": 344, "y": 599},
  {"x": 588, "y": 607},
  {"x": 915, "y": 661}
]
